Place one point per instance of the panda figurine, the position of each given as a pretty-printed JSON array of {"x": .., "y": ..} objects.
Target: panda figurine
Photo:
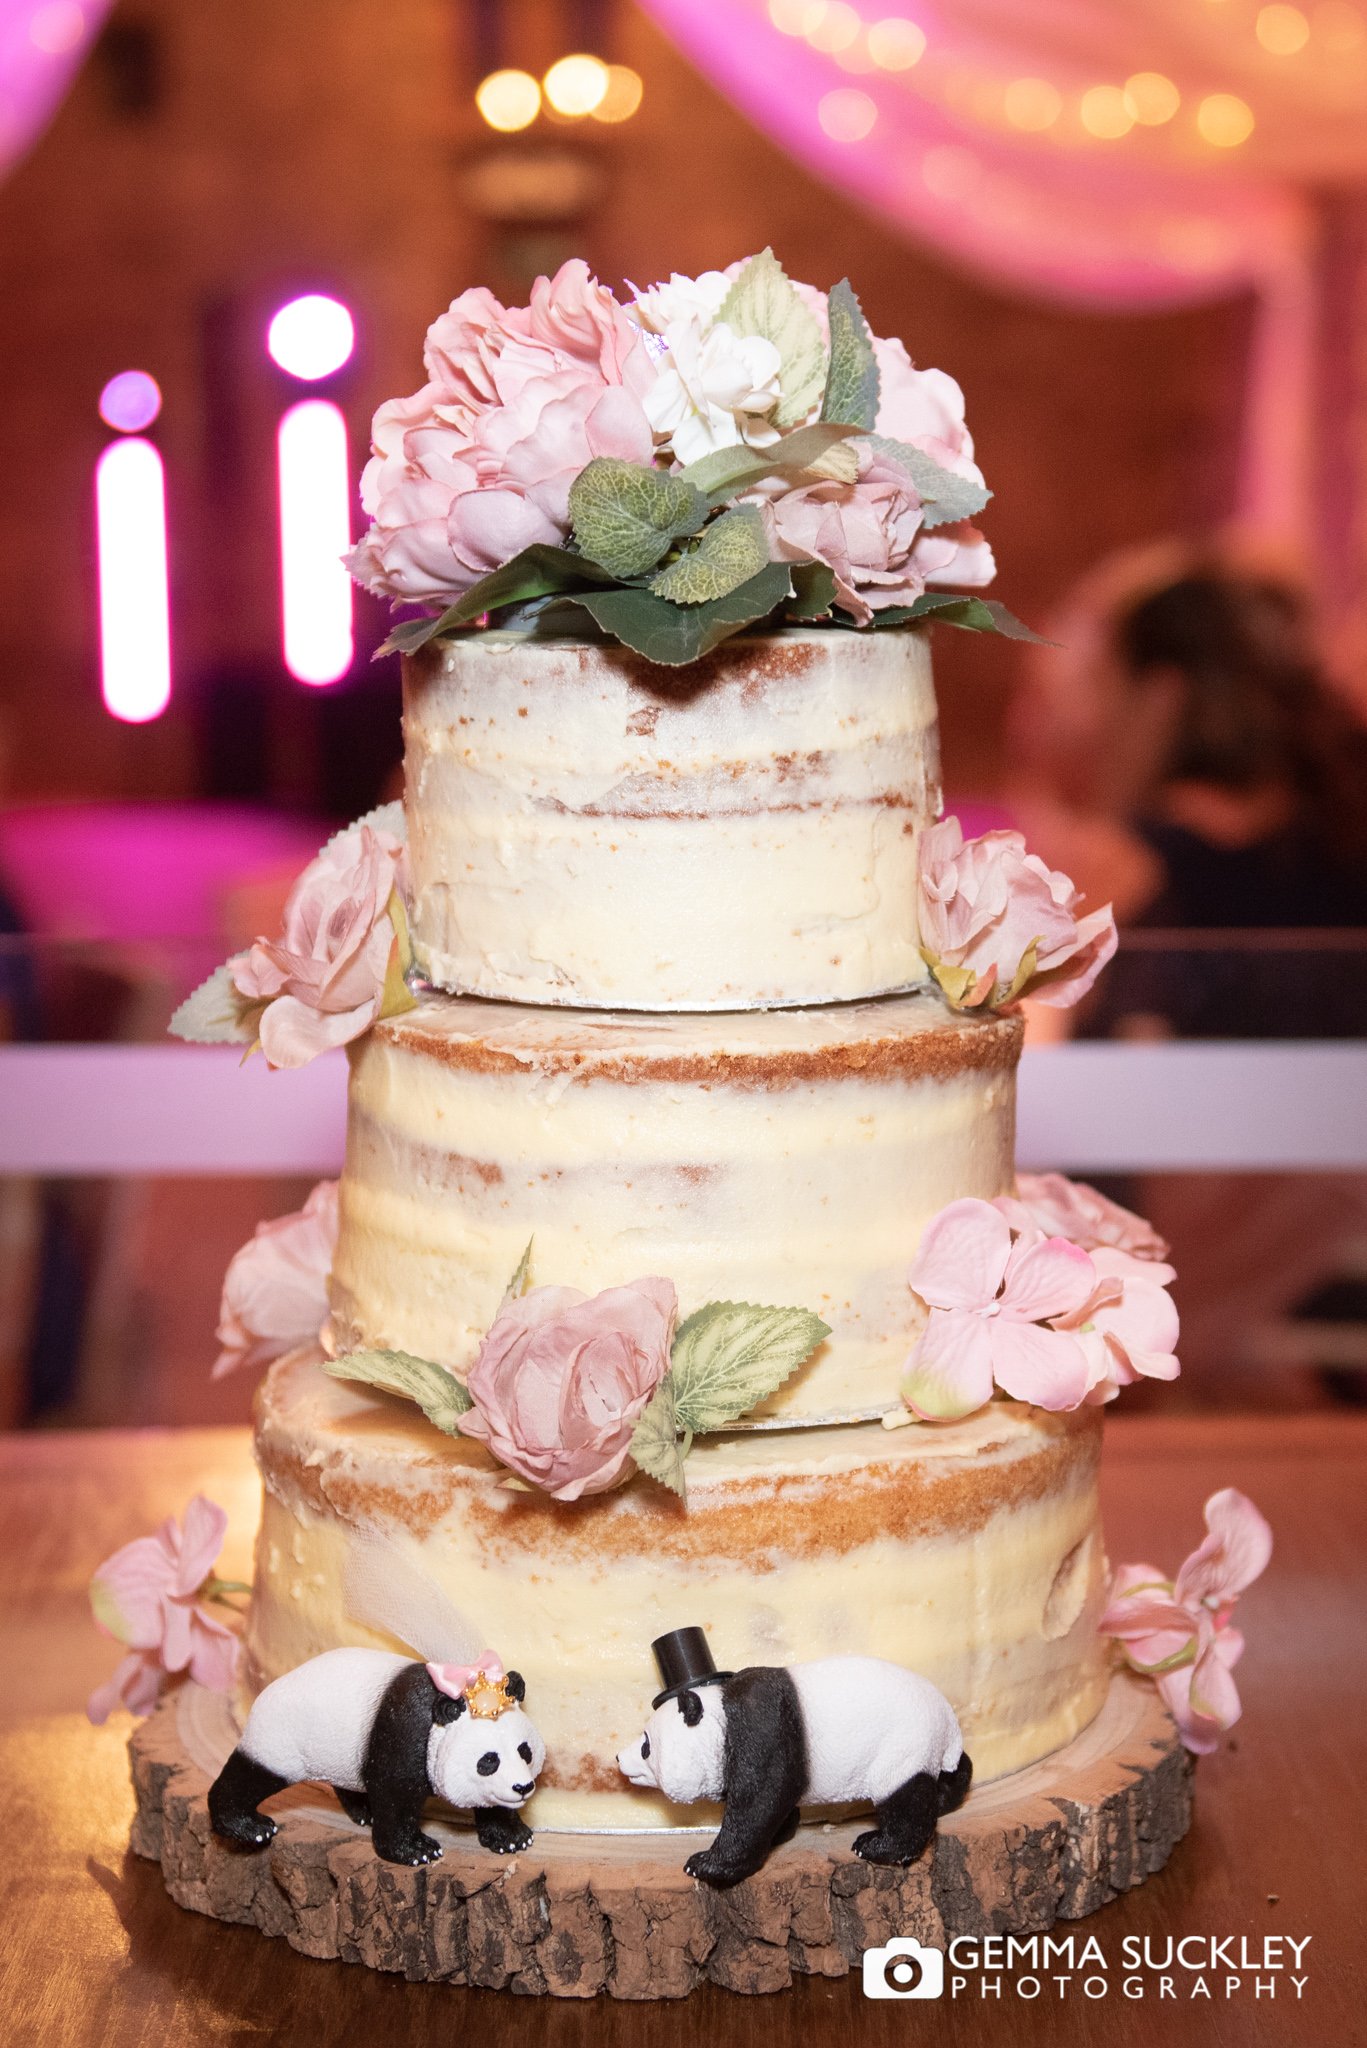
[
  {"x": 386, "y": 1733},
  {"x": 768, "y": 1739}
]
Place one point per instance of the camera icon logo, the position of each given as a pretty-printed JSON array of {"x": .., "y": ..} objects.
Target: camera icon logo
[{"x": 904, "y": 1969}]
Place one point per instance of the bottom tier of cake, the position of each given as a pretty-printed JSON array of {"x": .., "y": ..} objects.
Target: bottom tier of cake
[{"x": 970, "y": 1552}]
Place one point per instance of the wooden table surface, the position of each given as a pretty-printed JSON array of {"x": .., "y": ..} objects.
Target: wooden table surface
[{"x": 94, "y": 1955}]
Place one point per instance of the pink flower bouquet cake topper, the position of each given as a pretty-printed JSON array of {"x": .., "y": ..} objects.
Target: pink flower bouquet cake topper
[
  {"x": 1178, "y": 1632},
  {"x": 148, "y": 1596},
  {"x": 275, "y": 1290},
  {"x": 335, "y": 969},
  {"x": 679, "y": 463},
  {"x": 1039, "y": 1317},
  {"x": 997, "y": 924}
]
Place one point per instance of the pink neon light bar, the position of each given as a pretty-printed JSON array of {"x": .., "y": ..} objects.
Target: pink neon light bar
[
  {"x": 135, "y": 613},
  {"x": 315, "y": 532}
]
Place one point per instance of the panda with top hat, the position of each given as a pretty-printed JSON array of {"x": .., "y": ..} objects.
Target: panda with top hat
[{"x": 770, "y": 1739}]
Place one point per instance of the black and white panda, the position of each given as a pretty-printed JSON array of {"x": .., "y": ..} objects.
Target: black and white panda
[
  {"x": 386, "y": 1733},
  {"x": 767, "y": 1740}
]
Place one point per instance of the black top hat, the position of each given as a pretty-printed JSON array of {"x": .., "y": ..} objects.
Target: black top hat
[{"x": 685, "y": 1660}]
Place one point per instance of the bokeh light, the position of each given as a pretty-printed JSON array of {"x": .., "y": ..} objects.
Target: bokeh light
[
  {"x": 1224, "y": 120},
  {"x": 796, "y": 17},
  {"x": 896, "y": 44},
  {"x": 1151, "y": 98},
  {"x": 57, "y": 28},
  {"x": 1105, "y": 113},
  {"x": 1032, "y": 104},
  {"x": 838, "y": 27},
  {"x": 1338, "y": 28},
  {"x": 315, "y": 532},
  {"x": 576, "y": 85},
  {"x": 130, "y": 401},
  {"x": 623, "y": 96},
  {"x": 508, "y": 100},
  {"x": 135, "y": 610},
  {"x": 847, "y": 115},
  {"x": 311, "y": 337},
  {"x": 1282, "y": 30}
]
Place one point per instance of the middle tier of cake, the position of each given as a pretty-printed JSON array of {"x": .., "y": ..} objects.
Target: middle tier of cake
[{"x": 783, "y": 1157}]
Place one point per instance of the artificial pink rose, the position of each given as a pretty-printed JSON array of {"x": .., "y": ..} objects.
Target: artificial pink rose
[
  {"x": 997, "y": 924},
  {"x": 275, "y": 1292},
  {"x": 478, "y": 464},
  {"x": 1178, "y": 1631},
  {"x": 954, "y": 556},
  {"x": 323, "y": 980},
  {"x": 561, "y": 1378},
  {"x": 924, "y": 408},
  {"x": 146, "y": 1596},
  {"x": 864, "y": 532},
  {"x": 1070, "y": 1208},
  {"x": 993, "y": 1297}
]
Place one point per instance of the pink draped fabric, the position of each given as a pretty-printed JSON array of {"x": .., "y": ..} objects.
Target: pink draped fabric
[{"x": 42, "y": 43}]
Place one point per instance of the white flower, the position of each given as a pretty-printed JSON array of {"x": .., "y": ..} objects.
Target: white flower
[
  {"x": 713, "y": 389},
  {"x": 682, "y": 298}
]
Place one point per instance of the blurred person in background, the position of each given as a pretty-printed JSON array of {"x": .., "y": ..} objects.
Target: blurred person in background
[{"x": 1186, "y": 754}]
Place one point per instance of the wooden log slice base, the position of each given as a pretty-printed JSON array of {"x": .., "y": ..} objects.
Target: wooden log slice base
[{"x": 579, "y": 1915}]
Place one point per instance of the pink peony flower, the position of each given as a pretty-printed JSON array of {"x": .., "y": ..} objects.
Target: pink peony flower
[
  {"x": 1070, "y": 1208},
  {"x": 997, "y": 924},
  {"x": 275, "y": 1290},
  {"x": 992, "y": 1296},
  {"x": 478, "y": 464},
  {"x": 1178, "y": 1632},
  {"x": 324, "y": 979},
  {"x": 865, "y": 533},
  {"x": 146, "y": 1596},
  {"x": 561, "y": 1379}
]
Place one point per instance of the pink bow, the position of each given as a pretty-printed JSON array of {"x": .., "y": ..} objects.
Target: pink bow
[{"x": 455, "y": 1679}]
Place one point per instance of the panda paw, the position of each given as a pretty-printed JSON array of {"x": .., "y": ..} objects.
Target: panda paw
[
  {"x": 503, "y": 1833},
  {"x": 411, "y": 1849},
  {"x": 247, "y": 1831},
  {"x": 711, "y": 1868},
  {"x": 876, "y": 1847}
]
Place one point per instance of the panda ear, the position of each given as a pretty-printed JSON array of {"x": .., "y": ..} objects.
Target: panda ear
[
  {"x": 445, "y": 1710},
  {"x": 516, "y": 1684},
  {"x": 690, "y": 1706}
]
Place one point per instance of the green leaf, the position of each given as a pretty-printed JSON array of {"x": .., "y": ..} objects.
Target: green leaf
[
  {"x": 730, "y": 1355},
  {"x": 655, "y": 1443},
  {"x": 946, "y": 496},
  {"x": 440, "y": 1395},
  {"x": 539, "y": 571},
  {"x": 673, "y": 634},
  {"x": 813, "y": 591},
  {"x": 728, "y": 470},
  {"x": 217, "y": 1013},
  {"x": 762, "y": 301},
  {"x": 625, "y": 515},
  {"x": 517, "y": 1286},
  {"x": 732, "y": 550},
  {"x": 852, "y": 373},
  {"x": 953, "y": 608}
]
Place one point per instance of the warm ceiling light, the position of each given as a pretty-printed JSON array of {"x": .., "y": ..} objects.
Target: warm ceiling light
[
  {"x": 1105, "y": 113},
  {"x": 847, "y": 115},
  {"x": 1032, "y": 104},
  {"x": 895, "y": 45},
  {"x": 623, "y": 96},
  {"x": 1282, "y": 30},
  {"x": 576, "y": 85},
  {"x": 508, "y": 100},
  {"x": 838, "y": 27},
  {"x": 1152, "y": 98},
  {"x": 1224, "y": 120},
  {"x": 796, "y": 17}
]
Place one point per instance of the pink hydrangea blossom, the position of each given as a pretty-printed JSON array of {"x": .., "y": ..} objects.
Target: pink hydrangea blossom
[
  {"x": 338, "y": 963},
  {"x": 1037, "y": 1316},
  {"x": 275, "y": 1290},
  {"x": 997, "y": 924},
  {"x": 1070, "y": 1208},
  {"x": 146, "y": 1596},
  {"x": 561, "y": 1378},
  {"x": 1178, "y": 1632},
  {"x": 478, "y": 464}
]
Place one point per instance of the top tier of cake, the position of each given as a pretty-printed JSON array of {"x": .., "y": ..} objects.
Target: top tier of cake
[{"x": 588, "y": 828}]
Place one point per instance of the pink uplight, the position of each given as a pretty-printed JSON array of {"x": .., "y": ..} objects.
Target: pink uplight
[
  {"x": 315, "y": 532},
  {"x": 311, "y": 337},
  {"x": 130, "y": 401},
  {"x": 135, "y": 614}
]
